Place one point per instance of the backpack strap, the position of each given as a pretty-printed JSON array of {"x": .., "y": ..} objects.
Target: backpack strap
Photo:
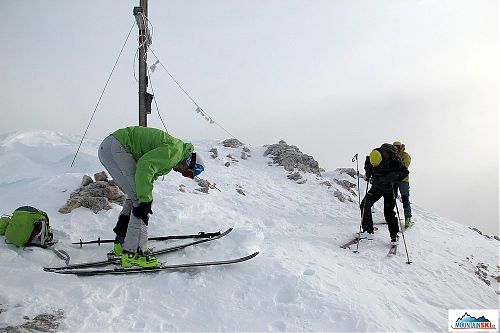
[{"x": 37, "y": 228}]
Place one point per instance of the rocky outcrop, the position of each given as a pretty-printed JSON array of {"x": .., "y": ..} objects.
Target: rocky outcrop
[
  {"x": 95, "y": 194},
  {"x": 349, "y": 171},
  {"x": 291, "y": 158},
  {"x": 232, "y": 143}
]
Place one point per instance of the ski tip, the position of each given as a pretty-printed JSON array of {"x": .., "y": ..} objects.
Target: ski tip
[{"x": 224, "y": 233}]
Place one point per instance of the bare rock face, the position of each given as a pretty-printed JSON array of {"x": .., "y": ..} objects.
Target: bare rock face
[
  {"x": 101, "y": 176},
  {"x": 214, "y": 152},
  {"x": 94, "y": 195},
  {"x": 341, "y": 197},
  {"x": 86, "y": 180},
  {"x": 232, "y": 143},
  {"x": 346, "y": 184},
  {"x": 294, "y": 176},
  {"x": 349, "y": 171},
  {"x": 44, "y": 322},
  {"x": 291, "y": 158}
]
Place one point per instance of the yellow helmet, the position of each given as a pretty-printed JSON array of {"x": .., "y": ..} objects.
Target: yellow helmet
[
  {"x": 375, "y": 158},
  {"x": 397, "y": 143}
]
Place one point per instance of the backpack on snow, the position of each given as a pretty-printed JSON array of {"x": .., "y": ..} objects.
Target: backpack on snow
[
  {"x": 4, "y": 222},
  {"x": 29, "y": 226}
]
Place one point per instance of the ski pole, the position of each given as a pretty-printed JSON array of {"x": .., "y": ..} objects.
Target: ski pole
[
  {"x": 357, "y": 173},
  {"x": 100, "y": 241},
  {"x": 401, "y": 226},
  {"x": 359, "y": 197},
  {"x": 362, "y": 214}
]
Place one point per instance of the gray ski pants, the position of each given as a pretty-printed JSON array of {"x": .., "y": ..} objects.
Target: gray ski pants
[{"x": 121, "y": 166}]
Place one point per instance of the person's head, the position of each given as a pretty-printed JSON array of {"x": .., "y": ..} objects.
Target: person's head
[
  {"x": 191, "y": 166},
  {"x": 399, "y": 146}
]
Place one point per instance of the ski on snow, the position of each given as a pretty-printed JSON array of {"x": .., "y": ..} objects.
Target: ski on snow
[
  {"x": 392, "y": 251},
  {"x": 355, "y": 240},
  {"x": 117, "y": 260},
  {"x": 161, "y": 267},
  {"x": 350, "y": 243}
]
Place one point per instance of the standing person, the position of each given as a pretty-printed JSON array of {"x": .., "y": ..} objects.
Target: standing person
[
  {"x": 404, "y": 185},
  {"x": 135, "y": 157},
  {"x": 385, "y": 169}
]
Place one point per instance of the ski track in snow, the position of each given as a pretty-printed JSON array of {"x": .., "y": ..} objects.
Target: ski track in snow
[{"x": 301, "y": 280}]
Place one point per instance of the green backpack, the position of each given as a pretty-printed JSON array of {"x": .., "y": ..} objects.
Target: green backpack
[
  {"x": 29, "y": 226},
  {"x": 4, "y": 222}
]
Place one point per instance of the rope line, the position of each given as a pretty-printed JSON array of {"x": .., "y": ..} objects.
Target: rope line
[
  {"x": 198, "y": 107},
  {"x": 148, "y": 41},
  {"x": 102, "y": 94}
]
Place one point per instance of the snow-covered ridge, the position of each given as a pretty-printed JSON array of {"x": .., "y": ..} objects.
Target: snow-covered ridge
[{"x": 301, "y": 280}]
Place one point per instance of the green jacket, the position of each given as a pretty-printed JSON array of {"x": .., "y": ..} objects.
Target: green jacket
[
  {"x": 156, "y": 153},
  {"x": 406, "y": 161}
]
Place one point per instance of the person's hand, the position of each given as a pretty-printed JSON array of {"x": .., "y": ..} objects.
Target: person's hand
[{"x": 142, "y": 210}]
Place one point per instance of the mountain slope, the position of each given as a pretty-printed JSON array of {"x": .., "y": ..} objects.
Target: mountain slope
[{"x": 301, "y": 280}]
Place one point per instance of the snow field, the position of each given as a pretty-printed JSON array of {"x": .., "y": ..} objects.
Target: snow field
[{"x": 300, "y": 281}]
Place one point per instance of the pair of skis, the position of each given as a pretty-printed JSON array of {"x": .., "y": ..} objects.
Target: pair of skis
[
  {"x": 81, "y": 269},
  {"x": 392, "y": 250}
]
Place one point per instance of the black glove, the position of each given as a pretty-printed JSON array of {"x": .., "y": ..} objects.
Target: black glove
[
  {"x": 368, "y": 175},
  {"x": 403, "y": 174},
  {"x": 142, "y": 210}
]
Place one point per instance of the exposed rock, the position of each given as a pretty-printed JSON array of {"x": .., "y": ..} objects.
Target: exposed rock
[
  {"x": 349, "y": 171},
  {"x": 291, "y": 158},
  {"x": 346, "y": 184},
  {"x": 482, "y": 273},
  {"x": 326, "y": 183},
  {"x": 482, "y": 234},
  {"x": 182, "y": 188},
  {"x": 215, "y": 152},
  {"x": 294, "y": 176},
  {"x": 95, "y": 195},
  {"x": 101, "y": 176},
  {"x": 245, "y": 153},
  {"x": 86, "y": 180},
  {"x": 227, "y": 164},
  {"x": 232, "y": 143},
  {"x": 203, "y": 183},
  {"x": 240, "y": 191},
  {"x": 232, "y": 158},
  {"x": 342, "y": 198},
  {"x": 45, "y": 322}
]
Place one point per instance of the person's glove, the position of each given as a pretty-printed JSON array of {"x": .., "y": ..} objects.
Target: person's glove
[
  {"x": 403, "y": 174},
  {"x": 368, "y": 175},
  {"x": 142, "y": 210}
]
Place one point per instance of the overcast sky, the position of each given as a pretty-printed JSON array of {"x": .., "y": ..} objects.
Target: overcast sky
[{"x": 333, "y": 77}]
